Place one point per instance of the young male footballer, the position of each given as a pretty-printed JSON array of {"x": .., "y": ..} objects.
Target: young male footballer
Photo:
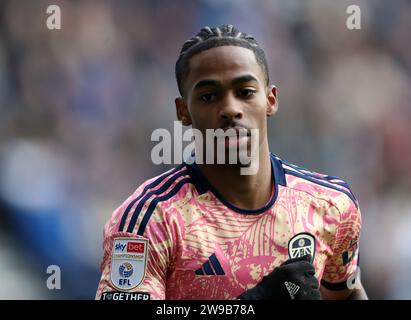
[{"x": 205, "y": 230}]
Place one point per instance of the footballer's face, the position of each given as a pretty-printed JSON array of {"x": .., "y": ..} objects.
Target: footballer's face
[{"x": 226, "y": 88}]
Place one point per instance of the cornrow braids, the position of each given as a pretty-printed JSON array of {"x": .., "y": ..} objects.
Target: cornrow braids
[{"x": 212, "y": 37}]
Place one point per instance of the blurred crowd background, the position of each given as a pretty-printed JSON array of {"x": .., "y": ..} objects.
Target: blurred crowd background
[{"x": 78, "y": 106}]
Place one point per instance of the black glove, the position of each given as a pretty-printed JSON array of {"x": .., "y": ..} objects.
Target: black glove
[{"x": 294, "y": 279}]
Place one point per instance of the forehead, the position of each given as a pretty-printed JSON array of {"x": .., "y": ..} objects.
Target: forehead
[{"x": 223, "y": 63}]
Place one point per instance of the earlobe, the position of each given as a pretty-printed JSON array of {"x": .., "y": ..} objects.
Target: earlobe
[
  {"x": 272, "y": 101},
  {"x": 182, "y": 111}
]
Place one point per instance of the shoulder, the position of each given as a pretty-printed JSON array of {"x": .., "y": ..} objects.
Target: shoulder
[
  {"x": 133, "y": 215},
  {"x": 329, "y": 188}
]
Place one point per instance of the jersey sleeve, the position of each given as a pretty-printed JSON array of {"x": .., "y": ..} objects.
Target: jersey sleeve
[
  {"x": 341, "y": 269},
  {"x": 134, "y": 266}
]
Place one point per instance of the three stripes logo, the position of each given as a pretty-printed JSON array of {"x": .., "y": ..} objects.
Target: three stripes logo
[
  {"x": 292, "y": 289},
  {"x": 211, "y": 267}
]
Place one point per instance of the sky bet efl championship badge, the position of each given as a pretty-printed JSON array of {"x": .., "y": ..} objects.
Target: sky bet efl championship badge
[
  {"x": 302, "y": 244},
  {"x": 128, "y": 264}
]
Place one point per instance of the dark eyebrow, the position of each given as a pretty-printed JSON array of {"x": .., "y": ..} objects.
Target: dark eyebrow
[
  {"x": 208, "y": 82},
  {"x": 245, "y": 78},
  {"x": 205, "y": 83}
]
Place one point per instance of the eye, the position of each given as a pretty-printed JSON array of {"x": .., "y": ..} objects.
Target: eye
[
  {"x": 246, "y": 93},
  {"x": 208, "y": 97}
]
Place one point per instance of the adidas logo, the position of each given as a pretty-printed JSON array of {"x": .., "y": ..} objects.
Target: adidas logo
[
  {"x": 211, "y": 267},
  {"x": 292, "y": 289}
]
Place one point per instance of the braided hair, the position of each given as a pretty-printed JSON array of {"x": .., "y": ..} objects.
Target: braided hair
[{"x": 207, "y": 38}]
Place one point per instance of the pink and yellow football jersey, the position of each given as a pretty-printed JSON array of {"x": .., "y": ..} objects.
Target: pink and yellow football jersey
[{"x": 177, "y": 238}]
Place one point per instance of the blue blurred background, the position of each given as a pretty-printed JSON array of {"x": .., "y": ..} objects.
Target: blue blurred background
[{"x": 78, "y": 106}]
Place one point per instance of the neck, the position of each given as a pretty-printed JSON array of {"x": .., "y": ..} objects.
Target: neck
[{"x": 248, "y": 192}]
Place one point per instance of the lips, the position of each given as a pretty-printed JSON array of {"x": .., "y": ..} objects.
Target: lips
[
  {"x": 236, "y": 132},
  {"x": 234, "y": 136}
]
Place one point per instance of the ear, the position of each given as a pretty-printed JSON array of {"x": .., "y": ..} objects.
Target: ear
[
  {"x": 182, "y": 111},
  {"x": 272, "y": 101}
]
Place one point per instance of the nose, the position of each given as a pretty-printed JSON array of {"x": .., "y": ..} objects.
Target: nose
[{"x": 230, "y": 109}]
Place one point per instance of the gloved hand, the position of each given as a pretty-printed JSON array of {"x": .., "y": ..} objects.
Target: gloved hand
[{"x": 292, "y": 280}]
